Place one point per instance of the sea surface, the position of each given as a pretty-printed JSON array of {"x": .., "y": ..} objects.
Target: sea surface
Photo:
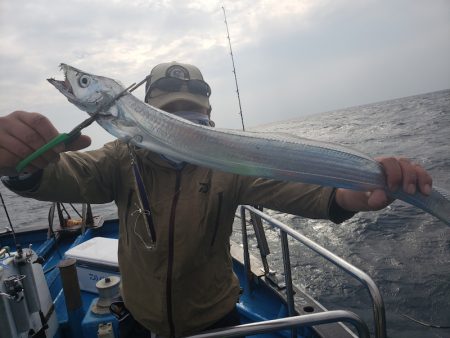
[{"x": 405, "y": 251}]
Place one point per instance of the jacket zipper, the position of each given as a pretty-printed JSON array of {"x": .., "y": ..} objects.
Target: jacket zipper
[
  {"x": 171, "y": 253},
  {"x": 216, "y": 225},
  {"x": 130, "y": 195}
]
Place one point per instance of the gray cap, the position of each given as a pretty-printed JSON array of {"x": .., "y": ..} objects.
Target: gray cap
[{"x": 159, "y": 98}]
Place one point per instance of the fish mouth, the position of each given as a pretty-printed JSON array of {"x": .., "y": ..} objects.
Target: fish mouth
[{"x": 63, "y": 86}]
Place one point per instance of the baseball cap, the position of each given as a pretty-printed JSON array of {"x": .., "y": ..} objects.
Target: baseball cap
[{"x": 192, "y": 88}]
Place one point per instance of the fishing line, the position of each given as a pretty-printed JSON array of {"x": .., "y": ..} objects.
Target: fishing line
[
  {"x": 434, "y": 326},
  {"x": 51, "y": 217},
  {"x": 76, "y": 211},
  {"x": 65, "y": 210}
]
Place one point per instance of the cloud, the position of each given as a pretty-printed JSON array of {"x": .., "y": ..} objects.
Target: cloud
[
  {"x": 292, "y": 57},
  {"x": 349, "y": 55}
]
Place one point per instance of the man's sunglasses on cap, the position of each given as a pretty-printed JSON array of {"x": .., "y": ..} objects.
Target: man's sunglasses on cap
[{"x": 173, "y": 84}]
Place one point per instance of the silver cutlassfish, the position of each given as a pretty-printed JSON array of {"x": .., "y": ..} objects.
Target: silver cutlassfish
[{"x": 269, "y": 155}]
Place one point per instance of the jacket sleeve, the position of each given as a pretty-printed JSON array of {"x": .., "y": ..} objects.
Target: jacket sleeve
[
  {"x": 78, "y": 177},
  {"x": 306, "y": 200}
]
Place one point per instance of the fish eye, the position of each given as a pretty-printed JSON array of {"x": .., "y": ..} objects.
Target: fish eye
[{"x": 84, "y": 81}]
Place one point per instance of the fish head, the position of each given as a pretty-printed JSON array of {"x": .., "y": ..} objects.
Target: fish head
[{"x": 87, "y": 91}]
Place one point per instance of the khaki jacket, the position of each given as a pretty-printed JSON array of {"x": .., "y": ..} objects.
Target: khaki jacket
[{"x": 184, "y": 283}]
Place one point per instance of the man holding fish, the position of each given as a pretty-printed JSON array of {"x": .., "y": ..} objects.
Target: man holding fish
[{"x": 175, "y": 263}]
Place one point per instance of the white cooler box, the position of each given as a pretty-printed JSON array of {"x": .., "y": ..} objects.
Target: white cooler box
[{"x": 96, "y": 259}]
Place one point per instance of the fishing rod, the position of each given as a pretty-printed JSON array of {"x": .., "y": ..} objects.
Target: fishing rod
[
  {"x": 9, "y": 220},
  {"x": 234, "y": 69}
]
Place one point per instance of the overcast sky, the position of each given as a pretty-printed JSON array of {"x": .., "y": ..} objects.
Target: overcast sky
[{"x": 293, "y": 58}]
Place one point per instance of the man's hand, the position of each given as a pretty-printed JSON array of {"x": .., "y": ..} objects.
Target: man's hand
[
  {"x": 21, "y": 133},
  {"x": 400, "y": 173}
]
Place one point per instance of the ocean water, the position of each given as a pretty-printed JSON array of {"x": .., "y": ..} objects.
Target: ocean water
[{"x": 404, "y": 250}]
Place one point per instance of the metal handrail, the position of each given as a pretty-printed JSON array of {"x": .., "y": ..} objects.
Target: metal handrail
[
  {"x": 361, "y": 276},
  {"x": 290, "y": 322}
]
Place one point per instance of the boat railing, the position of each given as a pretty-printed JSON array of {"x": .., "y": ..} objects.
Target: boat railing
[
  {"x": 290, "y": 322},
  {"x": 256, "y": 216}
]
